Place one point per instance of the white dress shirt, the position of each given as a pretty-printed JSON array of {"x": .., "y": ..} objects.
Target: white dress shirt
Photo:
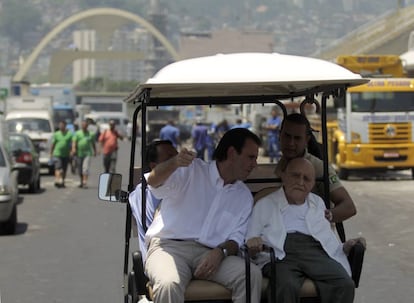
[{"x": 198, "y": 206}]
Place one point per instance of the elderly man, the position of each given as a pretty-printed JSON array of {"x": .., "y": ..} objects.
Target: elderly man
[
  {"x": 292, "y": 221},
  {"x": 295, "y": 134}
]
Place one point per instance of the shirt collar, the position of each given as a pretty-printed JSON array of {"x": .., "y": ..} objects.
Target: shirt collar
[
  {"x": 215, "y": 177},
  {"x": 284, "y": 203}
]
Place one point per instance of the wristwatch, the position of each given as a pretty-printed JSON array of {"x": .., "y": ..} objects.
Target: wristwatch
[{"x": 224, "y": 251}]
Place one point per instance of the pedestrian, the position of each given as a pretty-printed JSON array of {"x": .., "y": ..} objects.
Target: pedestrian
[
  {"x": 60, "y": 152},
  {"x": 108, "y": 140},
  {"x": 200, "y": 137},
  {"x": 171, "y": 133},
  {"x": 83, "y": 146},
  {"x": 203, "y": 220},
  {"x": 273, "y": 126}
]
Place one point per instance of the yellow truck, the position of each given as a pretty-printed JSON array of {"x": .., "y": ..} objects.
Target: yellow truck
[{"x": 374, "y": 128}]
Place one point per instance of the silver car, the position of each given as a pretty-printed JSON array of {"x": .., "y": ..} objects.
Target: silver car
[{"x": 8, "y": 193}]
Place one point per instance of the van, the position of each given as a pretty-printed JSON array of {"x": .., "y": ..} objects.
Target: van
[
  {"x": 33, "y": 116},
  {"x": 101, "y": 120}
]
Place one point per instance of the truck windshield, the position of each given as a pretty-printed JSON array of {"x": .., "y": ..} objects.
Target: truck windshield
[
  {"x": 63, "y": 114},
  {"x": 382, "y": 102},
  {"x": 29, "y": 124}
]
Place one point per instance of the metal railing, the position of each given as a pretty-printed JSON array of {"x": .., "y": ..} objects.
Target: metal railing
[{"x": 371, "y": 35}]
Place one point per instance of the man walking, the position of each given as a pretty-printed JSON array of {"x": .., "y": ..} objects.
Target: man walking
[
  {"x": 109, "y": 145},
  {"x": 60, "y": 151},
  {"x": 83, "y": 146}
]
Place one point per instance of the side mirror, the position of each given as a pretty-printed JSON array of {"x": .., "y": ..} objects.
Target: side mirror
[{"x": 110, "y": 188}]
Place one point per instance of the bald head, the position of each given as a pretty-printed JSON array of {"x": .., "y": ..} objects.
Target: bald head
[{"x": 298, "y": 179}]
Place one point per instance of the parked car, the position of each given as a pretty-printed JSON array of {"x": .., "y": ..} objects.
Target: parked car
[
  {"x": 8, "y": 193},
  {"x": 26, "y": 160}
]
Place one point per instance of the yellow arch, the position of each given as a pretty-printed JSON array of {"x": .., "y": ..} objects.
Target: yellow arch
[{"x": 84, "y": 15}]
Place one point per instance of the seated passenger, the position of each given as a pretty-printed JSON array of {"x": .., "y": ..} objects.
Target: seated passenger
[
  {"x": 292, "y": 221},
  {"x": 295, "y": 139},
  {"x": 203, "y": 220},
  {"x": 156, "y": 152}
]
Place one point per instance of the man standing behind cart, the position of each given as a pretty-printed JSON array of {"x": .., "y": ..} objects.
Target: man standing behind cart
[
  {"x": 203, "y": 220},
  {"x": 272, "y": 126},
  {"x": 171, "y": 133}
]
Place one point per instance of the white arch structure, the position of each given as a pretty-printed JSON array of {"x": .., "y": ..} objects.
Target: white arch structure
[{"x": 85, "y": 15}]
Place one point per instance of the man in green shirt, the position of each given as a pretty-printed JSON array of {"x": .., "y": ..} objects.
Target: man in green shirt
[
  {"x": 83, "y": 146},
  {"x": 60, "y": 152}
]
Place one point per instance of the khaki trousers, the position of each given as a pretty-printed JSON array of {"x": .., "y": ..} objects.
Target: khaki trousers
[{"x": 170, "y": 266}]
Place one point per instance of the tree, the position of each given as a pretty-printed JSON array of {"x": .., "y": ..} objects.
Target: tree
[{"x": 18, "y": 18}]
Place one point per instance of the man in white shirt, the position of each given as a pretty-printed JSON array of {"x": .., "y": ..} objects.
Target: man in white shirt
[
  {"x": 203, "y": 220},
  {"x": 292, "y": 221}
]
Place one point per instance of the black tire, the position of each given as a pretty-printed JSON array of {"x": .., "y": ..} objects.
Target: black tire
[
  {"x": 343, "y": 174},
  {"x": 412, "y": 173},
  {"x": 34, "y": 187},
  {"x": 10, "y": 225},
  {"x": 38, "y": 186}
]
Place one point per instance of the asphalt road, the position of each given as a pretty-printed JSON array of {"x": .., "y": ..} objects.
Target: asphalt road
[{"x": 69, "y": 245}]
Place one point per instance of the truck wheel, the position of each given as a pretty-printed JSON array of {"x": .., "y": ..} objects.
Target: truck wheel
[
  {"x": 343, "y": 174},
  {"x": 412, "y": 173}
]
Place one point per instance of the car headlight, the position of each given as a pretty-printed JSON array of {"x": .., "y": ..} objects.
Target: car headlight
[{"x": 4, "y": 190}]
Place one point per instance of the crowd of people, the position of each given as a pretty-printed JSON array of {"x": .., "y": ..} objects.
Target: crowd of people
[
  {"x": 78, "y": 148},
  {"x": 199, "y": 213}
]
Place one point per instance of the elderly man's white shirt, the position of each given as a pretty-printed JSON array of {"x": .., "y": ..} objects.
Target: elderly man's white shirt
[
  {"x": 198, "y": 206},
  {"x": 267, "y": 222}
]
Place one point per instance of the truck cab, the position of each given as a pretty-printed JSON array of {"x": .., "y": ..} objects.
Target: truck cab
[{"x": 33, "y": 116}]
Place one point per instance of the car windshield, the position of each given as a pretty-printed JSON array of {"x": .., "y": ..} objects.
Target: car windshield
[
  {"x": 63, "y": 114},
  {"x": 18, "y": 142},
  {"x": 29, "y": 124}
]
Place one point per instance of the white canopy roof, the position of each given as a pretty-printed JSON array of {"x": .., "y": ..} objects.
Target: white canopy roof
[{"x": 247, "y": 74}]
